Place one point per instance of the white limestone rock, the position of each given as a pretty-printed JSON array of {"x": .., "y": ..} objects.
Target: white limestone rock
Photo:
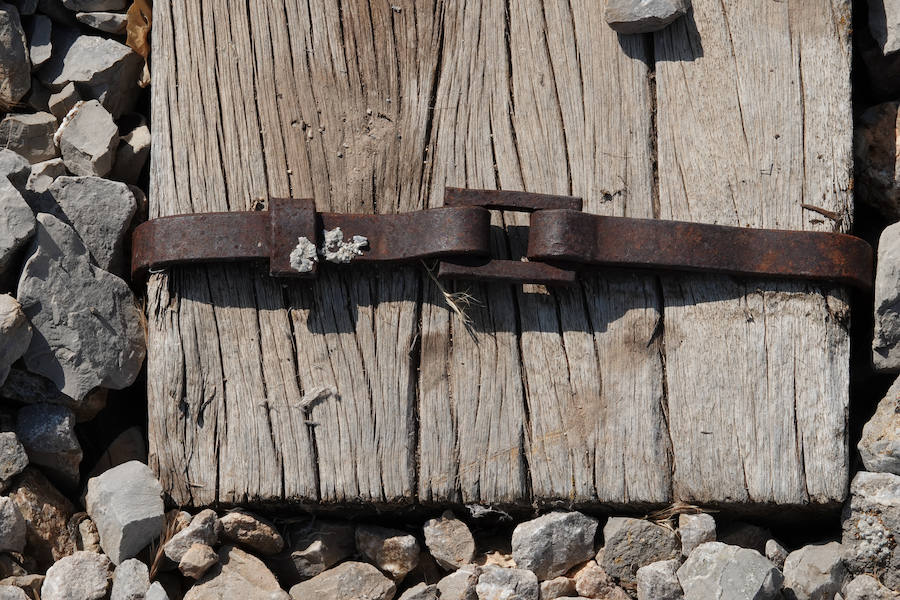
[
  {"x": 815, "y": 572},
  {"x": 449, "y": 541},
  {"x": 659, "y": 581},
  {"x": 126, "y": 504},
  {"x": 203, "y": 529},
  {"x": 81, "y": 576},
  {"x": 553, "y": 543},
  {"x": 717, "y": 571},
  {"x": 88, "y": 330},
  {"x": 198, "y": 559},
  {"x": 131, "y": 581},
  {"x": 695, "y": 530},
  {"x": 497, "y": 583},
  {"x": 156, "y": 592}
]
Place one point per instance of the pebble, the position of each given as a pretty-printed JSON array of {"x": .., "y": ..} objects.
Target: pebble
[
  {"x": 14, "y": 167},
  {"x": 39, "y": 42},
  {"x": 12, "y": 527},
  {"x": 242, "y": 528},
  {"x": 695, "y": 530},
  {"x": 60, "y": 103},
  {"x": 47, "y": 432},
  {"x": 877, "y": 181},
  {"x": 203, "y": 529},
  {"x": 659, "y": 581},
  {"x": 391, "y": 550},
  {"x": 553, "y": 543},
  {"x": 30, "y": 135},
  {"x": 635, "y": 543},
  {"x": 109, "y": 22},
  {"x": 557, "y": 587},
  {"x": 776, "y": 553},
  {"x": 131, "y": 581},
  {"x": 15, "y": 67},
  {"x": 879, "y": 446},
  {"x": 717, "y": 570},
  {"x": 126, "y": 504},
  {"x": 17, "y": 225},
  {"x": 815, "y": 571},
  {"x": 871, "y": 527},
  {"x": 88, "y": 139},
  {"x": 866, "y": 587},
  {"x": 105, "y": 69},
  {"x": 884, "y": 24},
  {"x": 81, "y": 576},
  {"x": 449, "y": 541},
  {"x": 497, "y": 583},
  {"x": 15, "y": 331},
  {"x": 132, "y": 154},
  {"x": 644, "y": 16},
  {"x": 347, "y": 580},
  {"x": 421, "y": 591},
  {"x": 197, "y": 561},
  {"x": 13, "y": 458},
  {"x": 46, "y": 513},
  {"x": 460, "y": 585},
  {"x": 100, "y": 211},
  {"x": 321, "y": 545},
  {"x": 91, "y": 332}
]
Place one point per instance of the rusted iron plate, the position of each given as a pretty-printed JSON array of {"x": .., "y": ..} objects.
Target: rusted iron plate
[
  {"x": 506, "y": 271},
  {"x": 507, "y": 200},
  {"x": 570, "y": 236},
  {"x": 289, "y": 219}
]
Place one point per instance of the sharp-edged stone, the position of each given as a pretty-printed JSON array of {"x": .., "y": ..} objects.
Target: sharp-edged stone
[
  {"x": 15, "y": 66},
  {"x": 815, "y": 572},
  {"x": 695, "y": 530},
  {"x": 81, "y": 576},
  {"x": 879, "y": 446},
  {"x": 109, "y": 22},
  {"x": 252, "y": 532},
  {"x": 659, "y": 581},
  {"x": 449, "y": 541},
  {"x": 644, "y": 16},
  {"x": 40, "y": 45},
  {"x": 12, "y": 526},
  {"x": 203, "y": 529},
  {"x": 347, "y": 580},
  {"x": 88, "y": 139},
  {"x": 871, "y": 527},
  {"x": 13, "y": 458},
  {"x": 497, "y": 583},
  {"x": 241, "y": 576},
  {"x": 393, "y": 551},
  {"x": 636, "y": 543},
  {"x": 553, "y": 543},
  {"x": 717, "y": 571},
  {"x": 15, "y": 331},
  {"x": 47, "y": 513},
  {"x": 60, "y": 103},
  {"x": 131, "y": 581},
  {"x": 47, "y": 431},
  {"x": 30, "y": 135}
]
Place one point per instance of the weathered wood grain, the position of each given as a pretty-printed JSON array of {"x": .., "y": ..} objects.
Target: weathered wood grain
[
  {"x": 754, "y": 123},
  {"x": 366, "y": 387}
]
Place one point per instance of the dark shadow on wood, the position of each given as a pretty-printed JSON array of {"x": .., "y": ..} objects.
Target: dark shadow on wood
[{"x": 678, "y": 42}]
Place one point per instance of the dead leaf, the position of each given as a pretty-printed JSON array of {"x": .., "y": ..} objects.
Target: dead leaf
[{"x": 140, "y": 19}]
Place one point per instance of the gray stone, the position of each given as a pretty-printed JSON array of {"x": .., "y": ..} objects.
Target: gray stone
[
  {"x": 25, "y": 387},
  {"x": 815, "y": 572},
  {"x": 242, "y": 528},
  {"x": 15, "y": 331},
  {"x": 637, "y": 543},
  {"x": 30, "y": 584},
  {"x": 592, "y": 581},
  {"x": 109, "y": 22},
  {"x": 94, "y": 5},
  {"x": 776, "y": 553},
  {"x": 886, "y": 341},
  {"x": 198, "y": 559},
  {"x": 30, "y": 135},
  {"x": 43, "y": 174},
  {"x": 8, "y": 592},
  {"x": 88, "y": 138},
  {"x": 421, "y": 591},
  {"x": 877, "y": 181},
  {"x": 558, "y": 587},
  {"x": 156, "y": 592},
  {"x": 47, "y": 432},
  {"x": 39, "y": 42},
  {"x": 866, "y": 587},
  {"x": 497, "y": 583},
  {"x": 132, "y": 155},
  {"x": 47, "y": 513},
  {"x": 38, "y": 97},
  {"x": 612, "y": 526},
  {"x": 554, "y": 543},
  {"x": 717, "y": 571},
  {"x": 884, "y": 23},
  {"x": 15, "y": 67},
  {"x": 14, "y": 167},
  {"x": 347, "y": 580},
  {"x": 88, "y": 330},
  {"x": 103, "y": 68},
  {"x": 17, "y": 225},
  {"x": 61, "y": 102},
  {"x": 879, "y": 446},
  {"x": 204, "y": 529},
  {"x": 100, "y": 210},
  {"x": 644, "y": 16},
  {"x": 391, "y": 550},
  {"x": 449, "y": 541},
  {"x": 659, "y": 581},
  {"x": 131, "y": 581},
  {"x": 460, "y": 585},
  {"x": 126, "y": 504},
  {"x": 81, "y": 576},
  {"x": 13, "y": 458},
  {"x": 128, "y": 445},
  {"x": 87, "y": 537},
  {"x": 12, "y": 527},
  {"x": 320, "y": 545},
  {"x": 871, "y": 525},
  {"x": 695, "y": 530},
  {"x": 745, "y": 535}
]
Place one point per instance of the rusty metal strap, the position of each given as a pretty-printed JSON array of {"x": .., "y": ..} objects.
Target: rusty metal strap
[{"x": 563, "y": 241}]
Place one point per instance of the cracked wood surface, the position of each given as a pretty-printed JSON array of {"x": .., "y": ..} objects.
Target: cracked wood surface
[{"x": 625, "y": 390}]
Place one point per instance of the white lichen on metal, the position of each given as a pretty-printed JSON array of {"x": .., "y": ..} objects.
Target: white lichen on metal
[
  {"x": 304, "y": 256},
  {"x": 336, "y": 250}
]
